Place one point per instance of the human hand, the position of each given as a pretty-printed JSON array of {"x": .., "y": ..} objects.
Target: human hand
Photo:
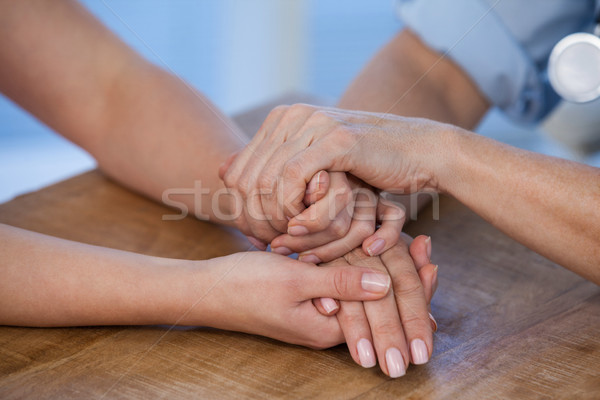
[
  {"x": 400, "y": 320},
  {"x": 270, "y": 295},
  {"x": 351, "y": 227},
  {"x": 341, "y": 213},
  {"x": 295, "y": 142}
]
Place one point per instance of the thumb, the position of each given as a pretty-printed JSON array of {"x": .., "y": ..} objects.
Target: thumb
[{"x": 344, "y": 283}]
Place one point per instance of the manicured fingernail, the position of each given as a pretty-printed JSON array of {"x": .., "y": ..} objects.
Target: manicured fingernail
[
  {"x": 284, "y": 251},
  {"x": 314, "y": 183},
  {"x": 375, "y": 283},
  {"x": 309, "y": 258},
  {"x": 329, "y": 304},
  {"x": 375, "y": 248},
  {"x": 419, "y": 352},
  {"x": 434, "y": 325},
  {"x": 428, "y": 242},
  {"x": 297, "y": 230},
  {"x": 395, "y": 363},
  {"x": 257, "y": 243},
  {"x": 366, "y": 354}
]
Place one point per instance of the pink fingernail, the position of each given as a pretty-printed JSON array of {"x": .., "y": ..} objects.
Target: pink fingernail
[
  {"x": 428, "y": 242},
  {"x": 395, "y": 363},
  {"x": 375, "y": 248},
  {"x": 366, "y": 354},
  {"x": 297, "y": 230},
  {"x": 375, "y": 283},
  {"x": 257, "y": 243},
  {"x": 309, "y": 258},
  {"x": 284, "y": 251},
  {"x": 419, "y": 352},
  {"x": 329, "y": 304}
]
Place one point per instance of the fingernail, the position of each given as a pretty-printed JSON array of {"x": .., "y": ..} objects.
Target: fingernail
[
  {"x": 395, "y": 362},
  {"x": 435, "y": 277},
  {"x": 419, "y": 352},
  {"x": 309, "y": 258},
  {"x": 257, "y": 243},
  {"x": 428, "y": 242},
  {"x": 375, "y": 283},
  {"x": 329, "y": 304},
  {"x": 284, "y": 251},
  {"x": 366, "y": 354},
  {"x": 434, "y": 325},
  {"x": 314, "y": 184},
  {"x": 297, "y": 230},
  {"x": 375, "y": 248}
]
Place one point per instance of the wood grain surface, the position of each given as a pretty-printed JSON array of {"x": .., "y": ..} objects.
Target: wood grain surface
[{"x": 511, "y": 323}]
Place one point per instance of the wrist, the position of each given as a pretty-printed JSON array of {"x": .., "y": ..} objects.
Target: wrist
[{"x": 445, "y": 163}]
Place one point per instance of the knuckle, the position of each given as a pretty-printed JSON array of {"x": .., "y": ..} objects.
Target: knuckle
[
  {"x": 407, "y": 285},
  {"x": 298, "y": 109},
  {"x": 339, "y": 227},
  {"x": 386, "y": 327},
  {"x": 363, "y": 229},
  {"x": 342, "y": 282},
  {"x": 266, "y": 183},
  {"x": 276, "y": 112},
  {"x": 230, "y": 180},
  {"x": 319, "y": 117},
  {"x": 292, "y": 169}
]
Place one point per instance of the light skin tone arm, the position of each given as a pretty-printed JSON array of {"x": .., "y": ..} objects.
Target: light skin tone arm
[
  {"x": 546, "y": 203},
  {"x": 48, "y": 281},
  {"x": 408, "y": 78},
  {"x": 147, "y": 129}
]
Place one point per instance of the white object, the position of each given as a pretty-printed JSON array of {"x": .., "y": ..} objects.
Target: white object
[{"x": 574, "y": 67}]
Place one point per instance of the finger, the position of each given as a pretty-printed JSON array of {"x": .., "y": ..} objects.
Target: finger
[
  {"x": 288, "y": 174},
  {"x": 282, "y": 191},
  {"x": 388, "y": 335},
  {"x": 357, "y": 333},
  {"x": 336, "y": 248},
  {"x": 257, "y": 243},
  {"x": 317, "y": 188},
  {"x": 411, "y": 302},
  {"x": 392, "y": 219},
  {"x": 239, "y": 163},
  {"x": 320, "y": 215},
  {"x": 427, "y": 274},
  {"x": 420, "y": 250},
  {"x": 385, "y": 323},
  {"x": 341, "y": 282},
  {"x": 320, "y": 247},
  {"x": 326, "y": 306}
]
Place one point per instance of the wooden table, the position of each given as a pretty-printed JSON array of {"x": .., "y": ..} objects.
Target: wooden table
[{"x": 511, "y": 324}]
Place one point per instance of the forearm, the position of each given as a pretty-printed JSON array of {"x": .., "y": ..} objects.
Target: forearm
[
  {"x": 407, "y": 78},
  {"x": 146, "y": 128},
  {"x": 546, "y": 203},
  {"x": 45, "y": 281}
]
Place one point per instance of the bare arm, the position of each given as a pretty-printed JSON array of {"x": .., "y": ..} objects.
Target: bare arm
[
  {"x": 58, "y": 62},
  {"x": 409, "y": 79},
  {"x": 45, "y": 281}
]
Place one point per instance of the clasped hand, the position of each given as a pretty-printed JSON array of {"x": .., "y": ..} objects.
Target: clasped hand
[{"x": 338, "y": 214}]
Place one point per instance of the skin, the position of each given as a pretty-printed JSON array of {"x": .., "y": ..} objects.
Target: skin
[
  {"x": 526, "y": 195},
  {"x": 63, "y": 66},
  {"x": 79, "y": 284}
]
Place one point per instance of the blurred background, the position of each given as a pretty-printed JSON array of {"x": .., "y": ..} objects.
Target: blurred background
[{"x": 239, "y": 53}]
